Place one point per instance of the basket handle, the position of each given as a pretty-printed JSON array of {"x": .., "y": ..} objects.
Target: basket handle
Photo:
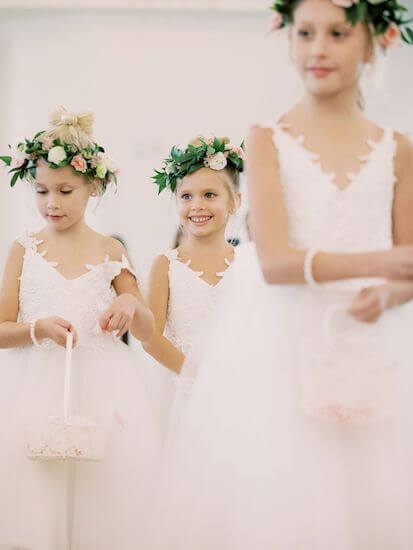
[
  {"x": 328, "y": 317},
  {"x": 68, "y": 374}
]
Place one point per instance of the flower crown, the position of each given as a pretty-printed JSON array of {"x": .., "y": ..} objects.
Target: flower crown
[
  {"x": 203, "y": 152},
  {"x": 385, "y": 17},
  {"x": 68, "y": 143}
]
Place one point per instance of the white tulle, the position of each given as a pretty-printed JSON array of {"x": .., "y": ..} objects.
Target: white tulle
[
  {"x": 248, "y": 466},
  {"x": 191, "y": 304},
  {"x": 74, "y": 505}
]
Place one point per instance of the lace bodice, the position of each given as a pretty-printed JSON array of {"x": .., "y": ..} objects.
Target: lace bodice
[
  {"x": 45, "y": 292},
  {"x": 321, "y": 215},
  {"x": 191, "y": 301}
]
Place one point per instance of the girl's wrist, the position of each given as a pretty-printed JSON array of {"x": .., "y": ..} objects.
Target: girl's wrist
[
  {"x": 372, "y": 264},
  {"x": 39, "y": 331}
]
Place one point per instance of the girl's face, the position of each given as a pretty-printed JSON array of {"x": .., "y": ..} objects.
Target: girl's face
[
  {"x": 328, "y": 51},
  {"x": 204, "y": 203},
  {"x": 61, "y": 195}
]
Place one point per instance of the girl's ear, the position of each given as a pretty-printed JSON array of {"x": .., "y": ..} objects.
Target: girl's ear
[
  {"x": 94, "y": 189},
  {"x": 236, "y": 202}
]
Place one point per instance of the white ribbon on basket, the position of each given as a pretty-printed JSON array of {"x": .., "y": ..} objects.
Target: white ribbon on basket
[{"x": 68, "y": 375}]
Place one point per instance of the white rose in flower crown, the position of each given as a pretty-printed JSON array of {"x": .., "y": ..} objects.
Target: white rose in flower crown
[
  {"x": 107, "y": 161},
  {"x": 217, "y": 161},
  {"x": 57, "y": 154}
]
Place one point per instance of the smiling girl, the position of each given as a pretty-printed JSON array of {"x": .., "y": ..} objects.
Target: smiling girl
[{"x": 186, "y": 283}]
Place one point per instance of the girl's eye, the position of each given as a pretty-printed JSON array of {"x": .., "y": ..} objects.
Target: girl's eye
[
  {"x": 304, "y": 33},
  {"x": 41, "y": 192},
  {"x": 186, "y": 197},
  {"x": 210, "y": 195},
  {"x": 66, "y": 192},
  {"x": 339, "y": 34}
]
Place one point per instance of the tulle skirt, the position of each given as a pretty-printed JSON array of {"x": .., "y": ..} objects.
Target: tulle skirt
[
  {"x": 249, "y": 467},
  {"x": 76, "y": 505}
]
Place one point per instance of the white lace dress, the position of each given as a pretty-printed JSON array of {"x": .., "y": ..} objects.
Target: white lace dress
[
  {"x": 250, "y": 468},
  {"x": 66, "y": 505},
  {"x": 191, "y": 305}
]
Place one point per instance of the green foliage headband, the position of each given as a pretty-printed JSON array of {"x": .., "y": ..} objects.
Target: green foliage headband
[
  {"x": 68, "y": 143},
  {"x": 204, "y": 152},
  {"x": 385, "y": 17}
]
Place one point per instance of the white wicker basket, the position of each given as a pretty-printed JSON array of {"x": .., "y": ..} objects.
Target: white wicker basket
[
  {"x": 66, "y": 437},
  {"x": 348, "y": 376}
]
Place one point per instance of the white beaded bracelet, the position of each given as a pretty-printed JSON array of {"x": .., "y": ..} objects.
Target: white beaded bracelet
[
  {"x": 308, "y": 266},
  {"x": 33, "y": 335}
]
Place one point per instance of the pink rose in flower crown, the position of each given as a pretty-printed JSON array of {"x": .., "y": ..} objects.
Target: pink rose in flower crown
[
  {"x": 79, "y": 163},
  {"x": 47, "y": 143},
  {"x": 391, "y": 37},
  {"x": 239, "y": 151},
  {"x": 277, "y": 21},
  {"x": 94, "y": 161}
]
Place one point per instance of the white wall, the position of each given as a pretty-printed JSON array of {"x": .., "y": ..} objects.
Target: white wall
[{"x": 152, "y": 79}]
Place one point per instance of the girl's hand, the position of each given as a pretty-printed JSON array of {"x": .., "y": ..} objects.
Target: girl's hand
[
  {"x": 119, "y": 316},
  {"x": 56, "y": 329},
  {"x": 370, "y": 303},
  {"x": 397, "y": 263}
]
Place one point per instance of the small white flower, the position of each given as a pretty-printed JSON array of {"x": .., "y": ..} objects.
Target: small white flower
[
  {"x": 169, "y": 167},
  {"x": 217, "y": 161},
  {"x": 57, "y": 154},
  {"x": 229, "y": 146}
]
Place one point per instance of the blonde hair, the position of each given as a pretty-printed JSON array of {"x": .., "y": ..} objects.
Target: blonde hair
[{"x": 71, "y": 128}]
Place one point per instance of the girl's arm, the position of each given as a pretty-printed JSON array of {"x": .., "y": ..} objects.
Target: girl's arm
[
  {"x": 12, "y": 333},
  {"x": 282, "y": 264},
  {"x": 128, "y": 311},
  {"x": 158, "y": 346},
  {"x": 371, "y": 302}
]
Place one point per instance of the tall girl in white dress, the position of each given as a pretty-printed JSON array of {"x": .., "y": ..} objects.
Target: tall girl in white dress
[
  {"x": 187, "y": 283},
  {"x": 298, "y": 433},
  {"x": 69, "y": 279}
]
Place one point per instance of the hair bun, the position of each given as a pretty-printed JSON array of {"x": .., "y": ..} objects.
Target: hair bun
[{"x": 72, "y": 128}]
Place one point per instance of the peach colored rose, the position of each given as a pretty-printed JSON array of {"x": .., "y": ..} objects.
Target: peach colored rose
[
  {"x": 17, "y": 162},
  {"x": 391, "y": 37},
  {"x": 277, "y": 21},
  {"x": 239, "y": 151},
  {"x": 79, "y": 163}
]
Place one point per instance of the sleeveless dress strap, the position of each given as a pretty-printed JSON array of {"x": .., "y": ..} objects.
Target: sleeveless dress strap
[
  {"x": 29, "y": 242},
  {"x": 171, "y": 254}
]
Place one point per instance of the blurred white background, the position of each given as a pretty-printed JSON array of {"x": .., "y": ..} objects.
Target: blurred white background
[{"x": 154, "y": 73}]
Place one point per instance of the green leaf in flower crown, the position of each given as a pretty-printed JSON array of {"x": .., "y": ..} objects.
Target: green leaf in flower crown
[
  {"x": 352, "y": 14},
  {"x": 6, "y": 160},
  {"x": 362, "y": 11},
  {"x": 409, "y": 33},
  {"x": 219, "y": 146},
  {"x": 14, "y": 179}
]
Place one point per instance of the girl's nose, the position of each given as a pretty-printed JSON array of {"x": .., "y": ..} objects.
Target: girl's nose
[
  {"x": 53, "y": 202},
  {"x": 319, "y": 46}
]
